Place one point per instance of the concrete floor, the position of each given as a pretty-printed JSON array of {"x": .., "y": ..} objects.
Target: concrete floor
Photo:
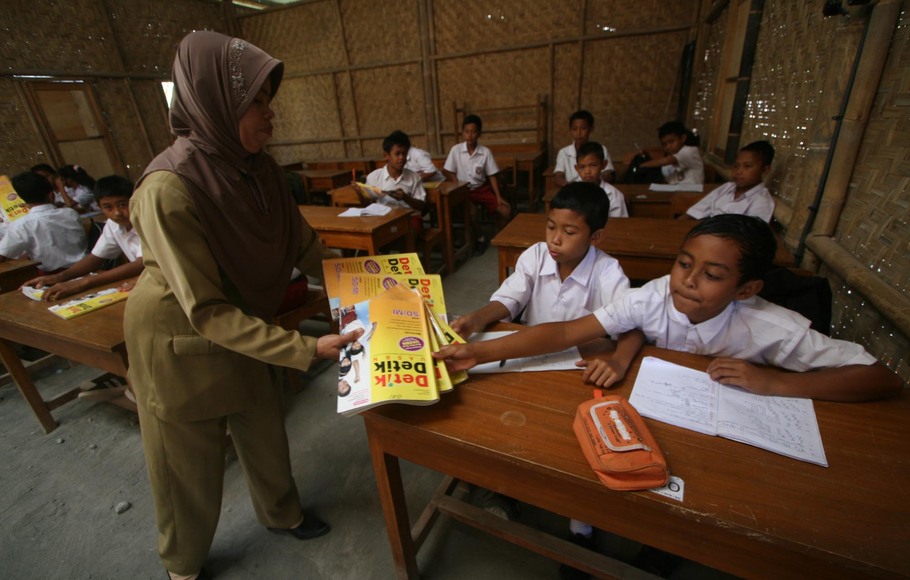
[{"x": 59, "y": 492}]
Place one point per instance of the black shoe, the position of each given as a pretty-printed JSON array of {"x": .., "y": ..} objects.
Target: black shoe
[
  {"x": 311, "y": 527},
  {"x": 567, "y": 572},
  {"x": 480, "y": 246},
  {"x": 656, "y": 561}
]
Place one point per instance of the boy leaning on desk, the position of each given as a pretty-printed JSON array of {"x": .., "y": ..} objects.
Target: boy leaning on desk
[{"x": 708, "y": 305}]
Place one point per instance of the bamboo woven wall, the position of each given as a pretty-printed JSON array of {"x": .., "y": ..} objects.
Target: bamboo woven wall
[
  {"x": 122, "y": 48},
  {"x": 356, "y": 70}
]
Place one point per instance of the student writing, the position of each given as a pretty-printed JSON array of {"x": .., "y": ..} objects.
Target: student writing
[
  {"x": 708, "y": 305},
  {"x": 117, "y": 239},
  {"x": 746, "y": 194}
]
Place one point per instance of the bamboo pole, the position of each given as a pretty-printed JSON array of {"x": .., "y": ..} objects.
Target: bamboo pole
[{"x": 892, "y": 304}]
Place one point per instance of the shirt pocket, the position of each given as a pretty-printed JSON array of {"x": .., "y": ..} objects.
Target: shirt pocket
[{"x": 191, "y": 345}]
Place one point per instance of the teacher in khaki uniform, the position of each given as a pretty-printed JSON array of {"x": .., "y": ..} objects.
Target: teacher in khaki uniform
[{"x": 220, "y": 235}]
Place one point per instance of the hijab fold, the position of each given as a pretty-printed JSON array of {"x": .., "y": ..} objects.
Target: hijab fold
[{"x": 242, "y": 200}]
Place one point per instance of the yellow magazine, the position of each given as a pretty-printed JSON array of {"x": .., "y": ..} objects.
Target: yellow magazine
[
  {"x": 404, "y": 264},
  {"x": 368, "y": 191},
  {"x": 89, "y": 303},
  {"x": 11, "y": 205},
  {"x": 392, "y": 361}
]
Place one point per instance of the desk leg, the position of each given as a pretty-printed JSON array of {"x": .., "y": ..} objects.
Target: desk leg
[
  {"x": 445, "y": 219},
  {"x": 26, "y": 386},
  {"x": 503, "y": 266},
  {"x": 395, "y": 509}
]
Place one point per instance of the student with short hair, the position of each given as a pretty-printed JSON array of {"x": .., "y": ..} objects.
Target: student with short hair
[
  {"x": 472, "y": 162},
  {"x": 746, "y": 194},
  {"x": 589, "y": 165},
  {"x": 403, "y": 187},
  {"x": 682, "y": 162},
  {"x": 581, "y": 123},
  {"x": 79, "y": 186},
  {"x": 708, "y": 304},
  {"x": 118, "y": 238},
  {"x": 51, "y": 235},
  {"x": 61, "y": 197},
  {"x": 563, "y": 278}
]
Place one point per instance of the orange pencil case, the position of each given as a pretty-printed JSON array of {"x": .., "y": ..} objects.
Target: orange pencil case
[{"x": 616, "y": 442}]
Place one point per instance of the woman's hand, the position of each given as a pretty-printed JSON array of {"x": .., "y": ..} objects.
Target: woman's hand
[{"x": 330, "y": 345}]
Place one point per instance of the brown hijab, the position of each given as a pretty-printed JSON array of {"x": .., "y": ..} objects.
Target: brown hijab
[{"x": 243, "y": 201}]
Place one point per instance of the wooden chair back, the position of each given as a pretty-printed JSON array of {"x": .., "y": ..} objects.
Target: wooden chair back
[{"x": 345, "y": 197}]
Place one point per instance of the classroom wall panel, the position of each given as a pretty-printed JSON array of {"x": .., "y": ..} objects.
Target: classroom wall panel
[
  {"x": 622, "y": 16},
  {"x": 153, "y": 111},
  {"x": 395, "y": 99},
  {"x": 20, "y": 143},
  {"x": 705, "y": 78},
  {"x": 566, "y": 100},
  {"x": 380, "y": 31},
  {"x": 124, "y": 125}
]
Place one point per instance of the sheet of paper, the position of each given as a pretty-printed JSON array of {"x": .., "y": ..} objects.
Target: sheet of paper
[
  {"x": 372, "y": 209},
  {"x": 696, "y": 187},
  {"x": 785, "y": 425},
  {"x": 558, "y": 361},
  {"x": 676, "y": 395}
]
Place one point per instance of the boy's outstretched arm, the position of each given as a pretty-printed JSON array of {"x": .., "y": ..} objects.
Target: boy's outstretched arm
[
  {"x": 535, "y": 340},
  {"x": 848, "y": 384},
  {"x": 476, "y": 321},
  {"x": 70, "y": 287},
  {"x": 606, "y": 372}
]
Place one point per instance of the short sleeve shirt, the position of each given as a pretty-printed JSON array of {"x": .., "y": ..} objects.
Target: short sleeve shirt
[
  {"x": 408, "y": 181},
  {"x": 566, "y": 161},
  {"x": 617, "y": 200},
  {"x": 54, "y": 236},
  {"x": 419, "y": 161},
  {"x": 116, "y": 240},
  {"x": 689, "y": 167},
  {"x": 471, "y": 167},
  {"x": 755, "y": 202}
]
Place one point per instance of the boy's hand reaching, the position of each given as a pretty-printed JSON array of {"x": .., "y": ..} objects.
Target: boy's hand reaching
[
  {"x": 42, "y": 281},
  {"x": 739, "y": 373},
  {"x": 330, "y": 345},
  {"x": 465, "y": 325},
  {"x": 457, "y": 357},
  {"x": 600, "y": 372}
]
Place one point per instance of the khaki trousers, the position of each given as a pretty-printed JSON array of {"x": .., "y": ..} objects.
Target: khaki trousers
[{"x": 185, "y": 464}]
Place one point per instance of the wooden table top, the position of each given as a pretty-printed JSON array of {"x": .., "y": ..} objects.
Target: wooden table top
[
  {"x": 324, "y": 218},
  {"x": 650, "y": 237},
  {"x": 745, "y": 510},
  {"x": 14, "y": 273}
]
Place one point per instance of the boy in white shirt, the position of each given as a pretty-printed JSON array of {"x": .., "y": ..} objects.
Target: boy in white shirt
[
  {"x": 403, "y": 187},
  {"x": 708, "y": 305},
  {"x": 682, "y": 162},
  {"x": 117, "y": 239},
  {"x": 581, "y": 123},
  {"x": 590, "y": 167},
  {"x": 53, "y": 236},
  {"x": 472, "y": 162},
  {"x": 421, "y": 163},
  {"x": 565, "y": 277},
  {"x": 746, "y": 194}
]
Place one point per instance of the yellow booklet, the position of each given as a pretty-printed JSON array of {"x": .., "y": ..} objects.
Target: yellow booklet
[
  {"x": 89, "y": 303},
  {"x": 402, "y": 264},
  {"x": 11, "y": 205},
  {"x": 392, "y": 361},
  {"x": 369, "y": 191}
]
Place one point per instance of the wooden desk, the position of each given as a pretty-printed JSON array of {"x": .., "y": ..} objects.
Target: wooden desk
[
  {"x": 323, "y": 180},
  {"x": 451, "y": 198},
  {"x": 645, "y": 247},
  {"x": 745, "y": 511},
  {"x": 13, "y": 273},
  {"x": 359, "y": 233},
  {"x": 640, "y": 200},
  {"x": 526, "y": 161},
  {"x": 94, "y": 339},
  {"x": 362, "y": 165}
]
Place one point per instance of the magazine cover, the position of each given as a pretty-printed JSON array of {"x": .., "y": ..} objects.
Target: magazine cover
[
  {"x": 392, "y": 361},
  {"x": 89, "y": 303},
  {"x": 404, "y": 264},
  {"x": 11, "y": 206}
]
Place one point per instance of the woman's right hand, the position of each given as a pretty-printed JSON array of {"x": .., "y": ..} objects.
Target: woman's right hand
[{"x": 330, "y": 345}]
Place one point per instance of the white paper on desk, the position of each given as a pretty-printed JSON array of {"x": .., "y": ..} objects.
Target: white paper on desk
[
  {"x": 557, "y": 361},
  {"x": 372, "y": 209},
  {"x": 690, "y": 399},
  {"x": 695, "y": 187}
]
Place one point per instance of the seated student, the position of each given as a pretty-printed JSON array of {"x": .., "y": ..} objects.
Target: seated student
[
  {"x": 708, "y": 305},
  {"x": 589, "y": 164},
  {"x": 746, "y": 194},
  {"x": 402, "y": 186},
  {"x": 79, "y": 186},
  {"x": 682, "y": 162},
  {"x": 565, "y": 277},
  {"x": 469, "y": 161},
  {"x": 53, "y": 236},
  {"x": 61, "y": 197},
  {"x": 118, "y": 238},
  {"x": 421, "y": 163},
  {"x": 581, "y": 123}
]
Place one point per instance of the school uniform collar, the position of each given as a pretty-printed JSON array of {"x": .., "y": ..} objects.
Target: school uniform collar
[
  {"x": 580, "y": 275},
  {"x": 464, "y": 148},
  {"x": 749, "y": 192},
  {"x": 43, "y": 208},
  {"x": 386, "y": 175},
  {"x": 709, "y": 329}
]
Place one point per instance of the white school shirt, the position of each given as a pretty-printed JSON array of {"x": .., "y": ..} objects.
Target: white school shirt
[
  {"x": 408, "y": 181},
  {"x": 617, "y": 200},
  {"x": 566, "y": 161},
  {"x": 115, "y": 240},
  {"x": 83, "y": 196},
  {"x": 52, "y": 235},
  {"x": 535, "y": 286},
  {"x": 754, "y": 329},
  {"x": 689, "y": 167},
  {"x": 420, "y": 161},
  {"x": 755, "y": 202},
  {"x": 473, "y": 168}
]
